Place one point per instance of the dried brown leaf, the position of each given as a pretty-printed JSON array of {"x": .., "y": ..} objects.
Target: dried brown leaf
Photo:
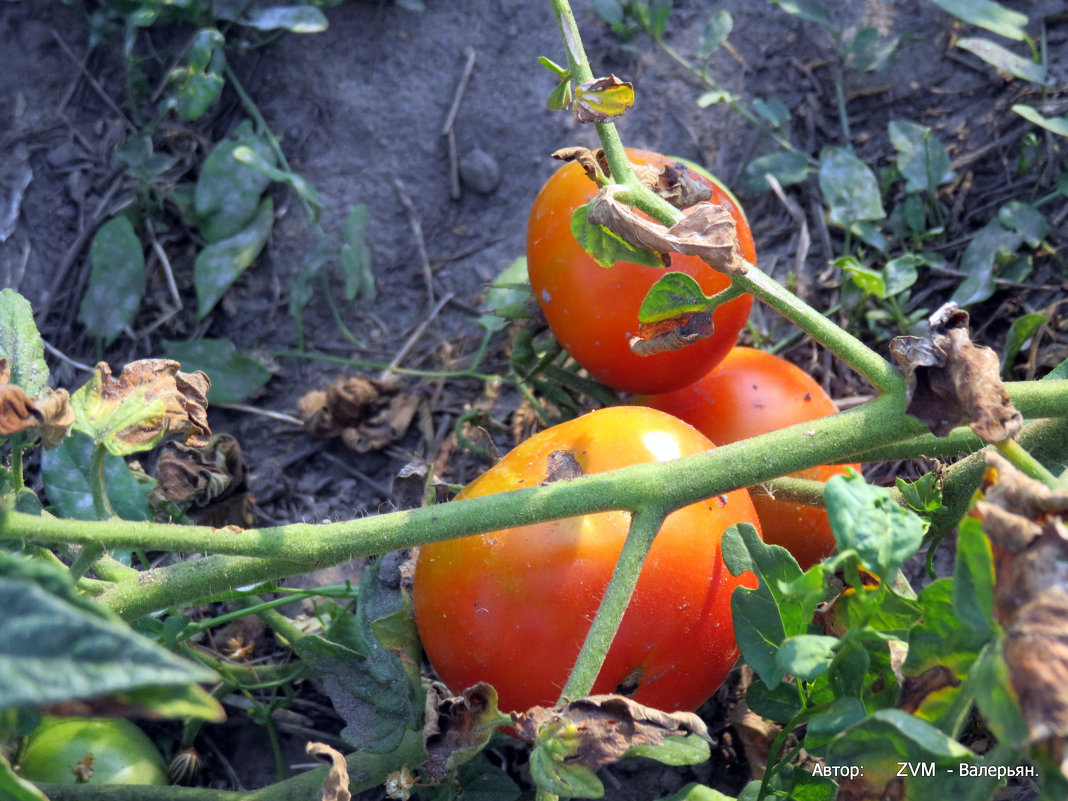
[
  {"x": 368, "y": 414},
  {"x": 608, "y": 726},
  {"x": 50, "y": 415},
  {"x": 680, "y": 186},
  {"x": 587, "y": 159},
  {"x": 673, "y": 334},
  {"x": 708, "y": 231},
  {"x": 336, "y": 785},
  {"x": 212, "y": 479},
  {"x": 457, "y": 728},
  {"x": 950, "y": 379}
]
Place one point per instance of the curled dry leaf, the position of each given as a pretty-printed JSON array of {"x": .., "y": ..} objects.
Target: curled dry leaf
[
  {"x": 602, "y": 99},
  {"x": 600, "y": 729},
  {"x": 676, "y": 183},
  {"x": 210, "y": 480},
  {"x": 151, "y": 399},
  {"x": 457, "y": 728},
  {"x": 1025, "y": 520},
  {"x": 673, "y": 334},
  {"x": 336, "y": 785},
  {"x": 707, "y": 232},
  {"x": 594, "y": 167},
  {"x": 366, "y": 413},
  {"x": 49, "y": 415},
  {"x": 950, "y": 379}
]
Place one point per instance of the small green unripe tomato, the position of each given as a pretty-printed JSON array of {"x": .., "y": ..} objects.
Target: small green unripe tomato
[{"x": 93, "y": 750}]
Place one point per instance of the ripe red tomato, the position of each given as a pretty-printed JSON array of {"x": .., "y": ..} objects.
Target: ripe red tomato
[
  {"x": 513, "y": 607},
  {"x": 593, "y": 311},
  {"x": 751, "y": 393}
]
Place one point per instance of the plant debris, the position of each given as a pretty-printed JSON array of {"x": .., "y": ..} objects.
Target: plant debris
[
  {"x": 336, "y": 785},
  {"x": 210, "y": 481},
  {"x": 367, "y": 413},
  {"x": 459, "y": 727},
  {"x": 605, "y": 727},
  {"x": 950, "y": 379}
]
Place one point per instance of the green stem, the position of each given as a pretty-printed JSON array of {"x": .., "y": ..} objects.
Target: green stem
[
  {"x": 98, "y": 483},
  {"x": 1027, "y": 464},
  {"x": 18, "y": 445},
  {"x": 644, "y": 526}
]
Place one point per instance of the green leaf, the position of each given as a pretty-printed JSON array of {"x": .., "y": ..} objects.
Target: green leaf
[
  {"x": 295, "y": 19},
  {"x": 659, "y": 11},
  {"x": 175, "y": 701},
  {"x": 201, "y": 81},
  {"x": 697, "y": 792},
  {"x": 506, "y": 297},
  {"x": 990, "y": 244},
  {"x": 717, "y": 29},
  {"x": 989, "y": 15},
  {"x": 869, "y": 280},
  {"x": 1057, "y": 125},
  {"x": 256, "y": 159},
  {"x": 227, "y": 194},
  {"x": 21, "y": 343},
  {"x": 611, "y": 11},
  {"x": 65, "y": 472},
  {"x": 766, "y": 616},
  {"x": 221, "y": 263},
  {"x": 806, "y": 656},
  {"x": 995, "y": 696},
  {"x": 773, "y": 110},
  {"x": 673, "y": 295},
  {"x": 923, "y": 495},
  {"x": 879, "y": 744},
  {"x": 788, "y": 168},
  {"x": 1004, "y": 59},
  {"x": 849, "y": 187},
  {"x": 677, "y": 751},
  {"x": 556, "y": 69},
  {"x": 565, "y": 780},
  {"x": 1020, "y": 332},
  {"x": 117, "y": 280},
  {"x": 866, "y": 520},
  {"x": 870, "y": 51},
  {"x": 355, "y": 257},
  {"x": 14, "y": 788},
  {"x": 482, "y": 781},
  {"x": 841, "y": 714},
  {"x": 234, "y": 376},
  {"x": 560, "y": 97},
  {"x": 57, "y": 648},
  {"x": 366, "y": 681},
  {"x": 302, "y": 289},
  {"x": 973, "y": 578},
  {"x": 1024, "y": 219},
  {"x": 605, "y": 246},
  {"x": 921, "y": 158},
  {"x": 810, "y": 10},
  {"x": 900, "y": 274},
  {"x": 780, "y": 705}
]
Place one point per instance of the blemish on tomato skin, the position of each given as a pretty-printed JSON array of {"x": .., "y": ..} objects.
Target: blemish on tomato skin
[{"x": 546, "y": 296}]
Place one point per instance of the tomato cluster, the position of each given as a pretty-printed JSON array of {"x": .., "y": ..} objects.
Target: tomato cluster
[
  {"x": 593, "y": 310},
  {"x": 513, "y": 607}
]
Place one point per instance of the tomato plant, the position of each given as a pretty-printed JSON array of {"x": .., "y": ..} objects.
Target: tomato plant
[
  {"x": 513, "y": 607},
  {"x": 593, "y": 311},
  {"x": 750, "y": 393},
  {"x": 94, "y": 750}
]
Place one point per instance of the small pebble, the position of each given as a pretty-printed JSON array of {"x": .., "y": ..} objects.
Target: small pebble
[{"x": 479, "y": 172}]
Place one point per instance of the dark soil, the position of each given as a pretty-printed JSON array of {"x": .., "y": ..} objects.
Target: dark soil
[{"x": 360, "y": 110}]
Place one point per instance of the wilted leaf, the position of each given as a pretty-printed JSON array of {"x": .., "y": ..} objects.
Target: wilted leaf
[
  {"x": 602, "y": 99},
  {"x": 708, "y": 231},
  {"x": 149, "y": 400},
  {"x": 117, "y": 280},
  {"x": 598, "y": 730},
  {"x": 949, "y": 379},
  {"x": 210, "y": 481},
  {"x": 48, "y": 416},
  {"x": 457, "y": 728},
  {"x": 672, "y": 334},
  {"x": 587, "y": 159},
  {"x": 336, "y": 785}
]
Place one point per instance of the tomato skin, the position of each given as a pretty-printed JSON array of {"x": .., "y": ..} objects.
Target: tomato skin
[
  {"x": 116, "y": 751},
  {"x": 750, "y": 393},
  {"x": 593, "y": 311},
  {"x": 513, "y": 607}
]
